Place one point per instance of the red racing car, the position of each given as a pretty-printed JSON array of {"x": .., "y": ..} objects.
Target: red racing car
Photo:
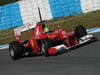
[{"x": 49, "y": 43}]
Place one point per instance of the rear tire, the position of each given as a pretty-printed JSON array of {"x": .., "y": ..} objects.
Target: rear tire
[
  {"x": 16, "y": 50},
  {"x": 45, "y": 45},
  {"x": 80, "y": 31}
]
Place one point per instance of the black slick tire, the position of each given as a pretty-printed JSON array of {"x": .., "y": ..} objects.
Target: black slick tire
[
  {"x": 16, "y": 50},
  {"x": 80, "y": 31},
  {"x": 45, "y": 45}
]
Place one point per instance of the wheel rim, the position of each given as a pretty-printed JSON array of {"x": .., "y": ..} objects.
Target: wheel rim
[
  {"x": 43, "y": 49},
  {"x": 12, "y": 52}
]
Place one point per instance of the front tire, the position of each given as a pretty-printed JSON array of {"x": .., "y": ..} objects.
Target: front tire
[
  {"x": 45, "y": 45},
  {"x": 16, "y": 50},
  {"x": 80, "y": 31}
]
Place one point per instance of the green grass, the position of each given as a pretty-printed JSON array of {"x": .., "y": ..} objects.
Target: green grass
[
  {"x": 6, "y": 36},
  {"x": 4, "y": 2},
  {"x": 89, "y": 20}
]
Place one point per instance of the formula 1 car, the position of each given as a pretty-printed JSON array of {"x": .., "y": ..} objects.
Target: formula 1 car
[{"x": 49, "y": 43}]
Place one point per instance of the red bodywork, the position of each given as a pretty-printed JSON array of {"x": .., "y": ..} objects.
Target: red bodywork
[{"x": 55, "y": 35}]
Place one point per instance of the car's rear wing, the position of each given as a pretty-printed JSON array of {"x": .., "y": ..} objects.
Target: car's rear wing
[{"x": 18, "y": 31}]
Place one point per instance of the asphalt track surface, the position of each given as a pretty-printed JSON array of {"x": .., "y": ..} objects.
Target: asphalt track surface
[{"x": 84, "y": 60}]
